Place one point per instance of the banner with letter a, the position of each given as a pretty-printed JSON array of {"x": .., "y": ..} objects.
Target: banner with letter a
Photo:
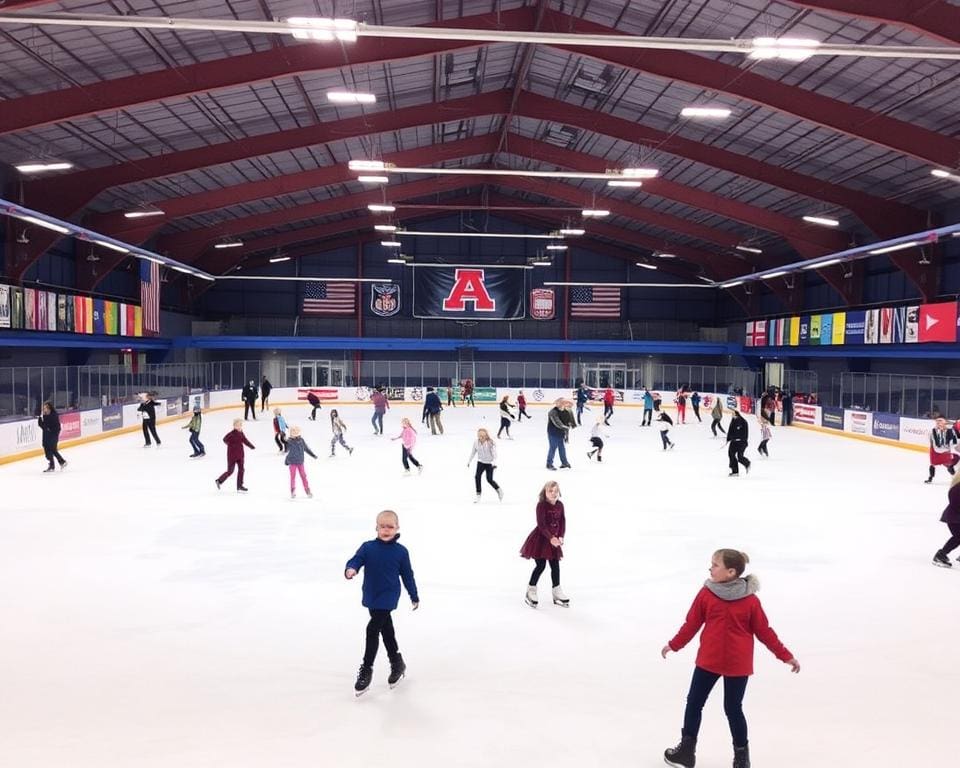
[{"x": 468, "y": 293}]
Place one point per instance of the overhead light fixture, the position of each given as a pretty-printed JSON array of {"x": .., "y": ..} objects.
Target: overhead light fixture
[
  {"x": 390, "y": 243},
  {"x": 715, "y": 113},
  {"x": 665, "y": 255},
  {"x": 786, "y": 48},
  {"x": 628, "y": 174},
  {"x": 572, "y": 232},
  {"x": 380, "y": 208},
  {"x": 111, "y": 246},
  {"x": 823, "y": 220},
  {"x": 625, "y": 183},
  {"x": 324, "y": 30},
  {"x": 367, "y": 165},
  {"x": 385, "y": 227},
  {"x": 734, "y": 284},
  {"x": 43, "y": 223},
  {"x": 819, "y": 264},
  {"x": 556, "y": 247},
  {"x": 373, "y": 179},
  {"x": 748, "y": 249},
  {"x": 778, "y": 273},
  {"x": 892, "y": 248},
  {"x": 41, "y": 167},
  {"x": 637, "y": 173},
  {"x": 229, "y": 243},
  {"x": 351, "y": 97},
  {"x": 542, "y": 262},
  {"x": 278, "y": 259},
  {"x": 143, "y": 212},
  {"x": 396, "y": 260},
  {"x": 645, "y": 265},
  {"x": 515, "y": 235},
  {"x": 942, "y": 174},
  {"x": 594, "y": 213}
]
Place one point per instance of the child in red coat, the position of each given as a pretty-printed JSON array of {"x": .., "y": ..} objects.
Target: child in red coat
[
  {"x": 731, "y": 615},
  {"x": 235, "y": 440},
  {"x": 544, "y": 544}
]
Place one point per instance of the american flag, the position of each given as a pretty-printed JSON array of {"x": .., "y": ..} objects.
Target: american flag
[
  {"x": 329, "y": 298},
  {"x": 150, "y": 295},
  {"x": 595, "y": 302}
]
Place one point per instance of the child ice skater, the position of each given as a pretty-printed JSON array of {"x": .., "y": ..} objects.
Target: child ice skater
[
  {"x": 596, "y": 439},
  {"x": 506, "y": 416},
  {"x": 338, "y": 427},
  {"x": 544, "y": 544},
  {"x": 522, "y": 406},
  {"x": 731, "y": 612},
  {"x": 765, "y": 434},
  {"x": 235, "y": 440},
  {"x": 387, "y": 563},
  {"x": 485, "y": 449},
  {"x": 296, "y": 448},
  {"x": 409, "y": 437},
  {"x": 665, "y": 423},
  {"x": 279, "y": 430},
  {"x": 196, "y": 422}
]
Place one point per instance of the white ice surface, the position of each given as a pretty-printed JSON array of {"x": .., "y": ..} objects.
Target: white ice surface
[{"x": 149, "y": 620}]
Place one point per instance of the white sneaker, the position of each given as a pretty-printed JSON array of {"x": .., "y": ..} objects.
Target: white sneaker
[
  {"x": 531, "y": 597},
  {"x": 559, "y": 598}
]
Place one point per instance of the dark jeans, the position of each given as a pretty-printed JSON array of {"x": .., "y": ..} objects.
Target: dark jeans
[
  {"x": 313, "y": 413},
  {"x": 488, "y": 468},
  {"x": 762, "y": 448},
  {"x": 377, "y": 421},
  {"x": 665, "y": 438},
  {"x": 196, "y": 444},
  {"x": 408, "y": 459},
  {"x": 735, "y": 454},
  {"x": 523, "y": 412},
  {"x": 787, "y": 418},
  {"x": 250, "y": 406},
  {"x": 51, "y": 452},
  {"x": 231, "y": 463},
  {"x": 647, "y": 416},
  {"x": 150, "y": 428},
  {"x": 556, "y": 444},
  {"x": 952, "y": 543},
  {"x": 579, "y": 411},
  {"x": 264, "y": 399},
  {"x": 280, "y": 440},
  {"x": 381, "y": 623},
  {"x": 607, "y": 413},
  {"x": 597, "y": 444},
  {"x": 733, "y": 690},
  {"x": 538, "y": 569},
  {"x": 696, "y": 412},
  {"x": 504, "y": 425},
  {"x": 715, "y": 425}
]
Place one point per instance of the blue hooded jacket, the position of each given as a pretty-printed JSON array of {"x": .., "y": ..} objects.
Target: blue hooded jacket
[{"x": 386, "y": 563}]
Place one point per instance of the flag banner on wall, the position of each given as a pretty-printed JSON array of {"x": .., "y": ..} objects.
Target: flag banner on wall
[
  {"x": 329, "y": 298},
  {"x": 99, "y": 321},
  {"x": 16, "y": 307},
  {"x": 911, "y": 327},
  {"x": 5, "y": 306},
  {"x": 871, "y": 327},
  {"x": 51, "y": 311},
  {"x": 131, "y": 320},
  {"x": 122, "y": 319},
  {"x": 29, "y": 309},
  {"x": 384, "y": 299},
  {"x": 815, "y": 329},
  {"x": 826, "y": 328},
  {"x": 62, "y": 313},
  {"x": 839, "y": 327},
  {"x": 41, "y": 313},
  {"x": 854, "y": 327},
  {"x": 110, "y": 317},
  {"x": 138, "y": 321},
  {"x": 938, "y": 322},
  {"x": 543, "y": 304},
  {"x": 794, "y": 331},
  {"x": 469, "y": 293},
  {"x": 150, "y": 295},
  {"x": 70, "y": 327},
  {"x": 596, "y": 302},
  {"x": 804, "y": 330}
]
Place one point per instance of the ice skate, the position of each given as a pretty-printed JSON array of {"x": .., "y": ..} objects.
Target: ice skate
[
  {"x": 476, "y": 499},
  {"x": 293, "y": 494},
  {"x": 420, "y": 470},
  {"x": 350, "y": 451},
  {"x": 309, "y": 495},
  {"x": 531, "y": 597},
  {"x": 397, "y": 671},
  {"x": 406, "y": 473},
  {"x": 684, "y": 755},
  {"x": 741, "y": 757},
  {"x": 242, "y": 488},
  {"x": 500, "y": 493},
  {"x": 218, "y": 484},
  {"x": 364, "y": 677},
  {"x": 559, "y": 598},
  {"x": 928, "y": 481},
  {"x": 942, "y": 560},
  {"x": 49, "y": 469},
  {"x": 63, "y": 465}
]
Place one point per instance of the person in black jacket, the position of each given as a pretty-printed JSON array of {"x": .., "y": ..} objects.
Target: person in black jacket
[
  {"x": 249, "y": 395},
  {"x": 737, "y": 434},
  {"x": 49, "y": 422},
  {"x": 265, "y": 388},
  {"x": 431, "y": 411},
  {"x": 149, "y": 410},
  {"x": 315, "y": 402}
]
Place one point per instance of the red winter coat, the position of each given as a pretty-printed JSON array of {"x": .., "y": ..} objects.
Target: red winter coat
[
  {"x": 235, "y": 441},
  {"x": 608, "y": 397},
  {"x": 726, "y": 645},
  {"x": 550, "y": 522}
]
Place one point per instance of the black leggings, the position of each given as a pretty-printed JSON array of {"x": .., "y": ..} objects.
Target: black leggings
[
  {"x": 554, "y": 571},
  {"x": 150, "y": 428},
  {"x": 933, "y": 469},
  {"x": 735, "y": 454},
  {"x": 523, "y": 412},
  {"x": 504, "y": 425},
  {"x": 952, "y": 543},
  {"x": 696, "y": 412},
  {"x": 381, "y": 623},
  {"x": 733, "y": 690},
  {"x": 51, "y": 452},
  {"x": 665, "y": 438},
  {"x": 488, "y": 468},
  {"x": 250, "y": 407},
  {"x": 715, "y": 425},
  {"x": 408, "y": 458},
  {"x": 762, "y": 448},
  {"x": 280, "y": 440}
]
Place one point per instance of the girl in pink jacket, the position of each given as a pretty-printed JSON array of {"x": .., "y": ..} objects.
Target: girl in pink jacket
[{"x": 409, "y": 437}]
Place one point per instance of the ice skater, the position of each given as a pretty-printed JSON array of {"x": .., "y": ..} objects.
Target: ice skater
[
  {"x": 681, "y": 402},
  {"x": 387, "y": 563},
  {"x": 451, "y": 400},
  {"x": 249, "y": 396},
  {"x": 49, "y": 423},
  {"x": 265, "y": 389},
  {"x": 942, "y": 442},
  {"x": 544, "y": 544},
  {"x": 609, "y": 398},
  {"x": 432, "y": 408},
  {"x": 315, "y": 403},
  {"x": 522, "y": 406},
  {"x": 695, "y": 403},
  {"x": 583, "y": 395},
  {"x": 408, "y": 435},
  {"x": 468, "y": 393},
  {"x": 195, "y": 424},
  {"x": 665, "y": 423},
  {"x": 338, "y": 428},
  {"x": 596, "y": 439},
  {"x": 716, "y": 413},
  {"x": 148, "y": 411},
  {"x": 380, "y": 406},
  {"x": 765, "y": 434},
  {"x": 950, "y": 516},
  {"x": 731, "y": 615},
  {"x": 506, "y": 416},
  {"x": 297, "y": 450},
  {"x": 235, "y": 440},
  {"x": 738, "y": 433},
  {"x": 485, "y": 449},
  {"x": 647, "y": 408},
  {"x": 560, "y": 421},
  {"x": 279, "y": 430}
]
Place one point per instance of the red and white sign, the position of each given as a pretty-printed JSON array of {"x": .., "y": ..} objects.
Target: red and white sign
[
  {"x": 543, "y": 304},
  {"x": 938, "y": 322},
  {"x": 858, "y": 422},
  {"x": 805, "y": 414},
  {"x": 69, "y": 425},
  {"x": 326, "y": 393},
  {"x": 757, "y": 333}
]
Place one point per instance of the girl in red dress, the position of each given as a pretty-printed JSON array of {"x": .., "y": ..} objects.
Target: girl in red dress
[{"x": 544, "y": 543}]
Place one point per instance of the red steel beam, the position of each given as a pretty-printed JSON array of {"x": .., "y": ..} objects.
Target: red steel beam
[
  {"x": 933, "y": 18},
  {"x": 120, "y": 93}
]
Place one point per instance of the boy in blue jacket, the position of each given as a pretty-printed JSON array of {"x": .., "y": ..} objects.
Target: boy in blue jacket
[{"x": 387, "y": 562}]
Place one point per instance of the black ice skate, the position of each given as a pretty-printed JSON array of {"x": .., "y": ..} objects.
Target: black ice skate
[
  {"x": 397, "y": 671},
  {"x": 942, "y": 560},
  {"x": 364, "y": 676},
  {"x": 684, "y": 755},
  {"x": 741, "y": 757}
]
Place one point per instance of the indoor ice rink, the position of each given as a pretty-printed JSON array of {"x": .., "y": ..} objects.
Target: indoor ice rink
[{"x": 152, "y": 620}]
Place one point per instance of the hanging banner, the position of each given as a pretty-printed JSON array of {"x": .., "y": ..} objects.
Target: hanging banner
[
  {"x": 468, "y": 293},
  {"x": 543, "y": 304},
  {"x": 384, "y": 299},
  {"x": 16, "y": 308},
  {"x": 854, "y": 327},
  {"x": 4, "y": 306},
  {"x": 51, "y": 311}
]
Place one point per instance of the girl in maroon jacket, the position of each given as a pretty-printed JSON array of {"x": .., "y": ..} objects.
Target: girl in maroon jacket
[
  {"x": 731, "y": 615},
  {"x": 235, "y": 440},
  {"x": 950, "y": 516},
  {"x": 544, "y": 543}
]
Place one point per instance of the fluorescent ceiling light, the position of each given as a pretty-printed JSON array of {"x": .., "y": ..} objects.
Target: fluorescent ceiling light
[
  {"x": 638, "y": 173},
  {"x": 822, "y": 220},
  {"x": 666, "y": 255},
  {"x": 278, "y": 259},
  {"x": 111, "y": 246},
  {"x": 385, "y": 227},
  {"x": 373, "y": 179},
  {"x": 367, "y": 165},
  {"x": 645, "y": 265},
  {"x": 378, "y": 208},
  {"x": 941, "y": 174},
  {"x": 624, "y": 183},
  {"x": 396, "y": 260},
  {"x": 779, "y": 273},
  {"x": 711, "y": 112},
  {"x": 42, "y": 223},
  {"x": 390, "y": 243},
  {"x": 349, "y": 97},
  {"x": 748, "y": 249},
  {"x": 892, "y": 248},
  {"x": 787, "y": 48},
  {"x": 734, "y": 284},
  {"x": 38, "y": 167},
  {"x": 143, "y": 211},
  {"x": 572, "y": 232},
  {"x": 542, "y": 263},
  {"x": 553, "y": 247},
  {"x": 229, "y": 244},
  {"x": 627, "y": 173},
  {"x": 410, "y": 233},
  {"x": 827, "y": 263},
  {"x": 594, "y": 212},
  {"x": 308, "y": 28}
]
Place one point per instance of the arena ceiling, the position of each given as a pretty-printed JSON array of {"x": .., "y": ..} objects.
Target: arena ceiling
[{"x": 231, "y": 134}]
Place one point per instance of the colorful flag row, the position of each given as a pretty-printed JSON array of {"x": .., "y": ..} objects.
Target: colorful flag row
[
  {"x": 32, "y": 309},
  {"x": 920, "y": 323}
]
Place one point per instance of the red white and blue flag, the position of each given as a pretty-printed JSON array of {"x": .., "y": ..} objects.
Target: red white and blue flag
[
  {"x": 329, "y": 298},
  {"x": 150, "y": 295},
  {"x": 595, "y": 302}
]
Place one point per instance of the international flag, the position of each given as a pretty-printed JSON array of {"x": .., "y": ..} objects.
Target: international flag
[
  {"x": 61, "y": 312},
  {"x": 899, "y": 324},
  {"x": 757, "y": 333},
  {"x": 911, "y": 326},
  {"x": 938, "y": 322},
  {"x": 5, "y": 302},
  {"x": 596, "y": 302},
  {"x": 804, "y": 330},
  {"x": 138, "y": 321},
  {"x": 815, "y": 329},
  {"x": 323, "y": 298},
  {"x": 794, "y": 331},
  {"x": 110, "y": 317},
  {"x": 99, "y": 317},
  {"x": 121, "y": 319},
  {"x": 51, "y": 311},
  {"x": 871, "y": 327},
  {"x": 41, "y": 312},
  {"x": 69, "y": 322},
  {"x": 29, "y": 309},
  {"x": 886, "y": 325},
  {"x": 150, "y": 295},
  {"x": 779, "y": 331},
  {"x": 16, "y": 308},
  {"x": 131, "y": 320},
  {"x": 826, "y": 328},
  {"x": 839, "y": 327}
]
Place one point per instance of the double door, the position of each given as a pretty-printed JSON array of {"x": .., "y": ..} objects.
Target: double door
[{"x": 321, "y": 373}]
